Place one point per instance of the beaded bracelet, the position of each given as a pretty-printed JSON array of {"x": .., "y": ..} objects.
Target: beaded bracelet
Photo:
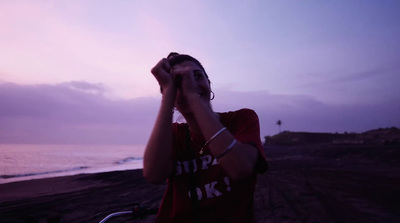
[{"x": 227, "y": 149}]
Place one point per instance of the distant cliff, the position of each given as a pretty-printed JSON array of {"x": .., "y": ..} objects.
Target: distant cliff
[{"x": 382, "y": 136}]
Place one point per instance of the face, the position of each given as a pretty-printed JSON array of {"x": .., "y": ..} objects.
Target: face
[{"x": 201, "y": 85}]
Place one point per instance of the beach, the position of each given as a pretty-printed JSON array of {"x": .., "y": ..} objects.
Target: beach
[{"x": 304, "y": 184}]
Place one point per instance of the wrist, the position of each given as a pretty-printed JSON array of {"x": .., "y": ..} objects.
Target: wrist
[
  {"x": 195, "y": 101},
  {"x": 200, "y": 107},
  {"x": 168, "y": 96},
  {"x": 168, "y": 91}
]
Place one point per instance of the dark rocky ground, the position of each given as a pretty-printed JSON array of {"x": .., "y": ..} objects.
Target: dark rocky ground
[{"x": 330, "y": 183}]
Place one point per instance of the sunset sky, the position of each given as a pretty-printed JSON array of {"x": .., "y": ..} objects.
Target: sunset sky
[{"x": 79, "y": 71}]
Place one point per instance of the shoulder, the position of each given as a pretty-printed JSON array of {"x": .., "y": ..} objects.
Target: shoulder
[
  {"x": 244, "y": 113},
  {"x": 240, "y": 120}
]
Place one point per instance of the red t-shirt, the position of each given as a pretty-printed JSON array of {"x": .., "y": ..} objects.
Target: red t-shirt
[{"x": 220, "y": 198}]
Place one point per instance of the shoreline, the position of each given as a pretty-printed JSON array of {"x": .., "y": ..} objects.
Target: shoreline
[
  {"x": 20, "y": 162},
  {"x": 69, "y": 172}
]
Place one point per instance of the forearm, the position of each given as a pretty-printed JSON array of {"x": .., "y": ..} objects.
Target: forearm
[
  {"x": 157, "y": 160},
  {"x": 240, "y": 161}
]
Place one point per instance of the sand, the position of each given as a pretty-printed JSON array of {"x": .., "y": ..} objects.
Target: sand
[{"x": 304, "y": 184}]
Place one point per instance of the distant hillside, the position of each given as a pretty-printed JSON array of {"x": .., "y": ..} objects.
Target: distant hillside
[{"x": 381, "y": 136}]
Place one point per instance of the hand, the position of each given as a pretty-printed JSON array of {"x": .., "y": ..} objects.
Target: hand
[
  {"x": 162, "y": 74},
  {"x": 184, "y": 81}
]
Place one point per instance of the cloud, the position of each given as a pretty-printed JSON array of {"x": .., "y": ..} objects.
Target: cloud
[
  {"x": 74, "y": 112},
  {"x": 362, "y": 75},
  {"x": 80, "y": 113}
]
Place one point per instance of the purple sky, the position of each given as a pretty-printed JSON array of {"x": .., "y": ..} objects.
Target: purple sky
[{"x": 78, "y": 71}]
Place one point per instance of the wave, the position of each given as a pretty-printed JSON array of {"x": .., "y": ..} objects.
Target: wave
[
  {"x": 42, "y": 173},
  {"x": 129, "y": 159}
]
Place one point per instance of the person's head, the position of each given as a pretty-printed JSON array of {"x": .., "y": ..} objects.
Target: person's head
[
  {"x": 200, "y": 76},
  {"x": 176, "y": 58}
]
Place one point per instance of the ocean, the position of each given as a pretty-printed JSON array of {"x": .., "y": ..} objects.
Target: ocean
[{"x": 25, "y": 162}]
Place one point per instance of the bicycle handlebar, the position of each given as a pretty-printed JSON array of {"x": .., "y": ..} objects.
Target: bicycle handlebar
[
  {"x": 138, "y": 211},
  {"x": 115, "y": 214}
]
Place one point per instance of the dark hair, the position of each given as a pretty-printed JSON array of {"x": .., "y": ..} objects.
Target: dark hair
[{"x": 176, "y": 58}]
